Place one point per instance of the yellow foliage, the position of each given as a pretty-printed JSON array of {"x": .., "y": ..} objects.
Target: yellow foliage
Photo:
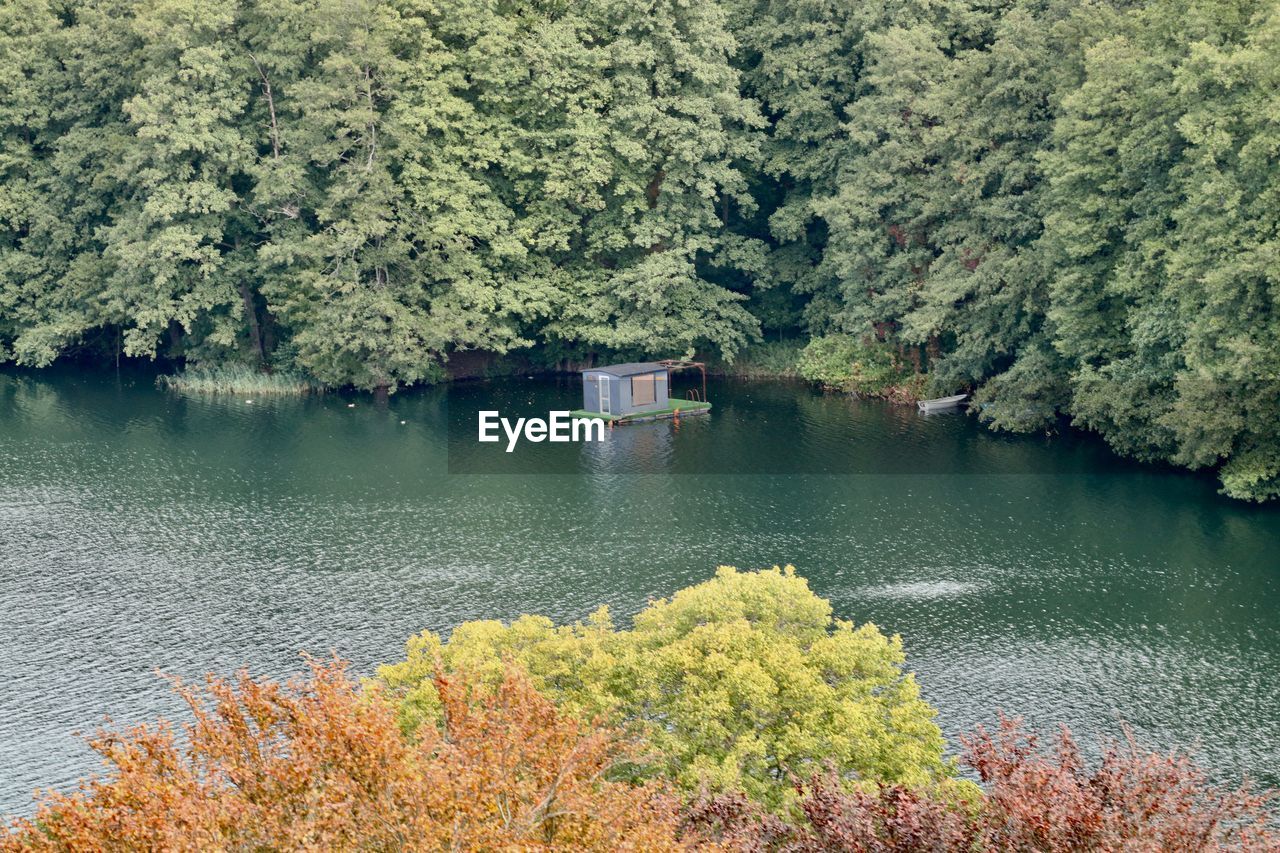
[{"x": 738, "y": 683}]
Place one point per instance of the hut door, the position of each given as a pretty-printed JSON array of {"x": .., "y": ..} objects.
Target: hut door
[{"x": 605, "y": 403}]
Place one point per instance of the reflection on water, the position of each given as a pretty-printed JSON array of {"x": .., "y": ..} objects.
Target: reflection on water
[
  {"x": 143, "y": 531},
  {"x": 921, "y": 589}
]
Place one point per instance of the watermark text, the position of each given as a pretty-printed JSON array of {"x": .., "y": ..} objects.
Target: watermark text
[{"x": 558, "y": 427}]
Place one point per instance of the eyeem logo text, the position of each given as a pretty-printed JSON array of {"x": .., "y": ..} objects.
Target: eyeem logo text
[{"x": 559, "y": 427}]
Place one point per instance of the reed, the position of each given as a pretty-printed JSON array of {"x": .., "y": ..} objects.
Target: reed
[
  {"x": 765, "y": 360},
  {"x": 237, "y": 379}
]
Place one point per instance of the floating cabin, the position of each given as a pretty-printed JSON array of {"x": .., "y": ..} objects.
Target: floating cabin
[{"x": 639, "y": 391}]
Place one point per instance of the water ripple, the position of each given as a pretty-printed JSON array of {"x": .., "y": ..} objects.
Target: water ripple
[{"x": 141, "y": 531}]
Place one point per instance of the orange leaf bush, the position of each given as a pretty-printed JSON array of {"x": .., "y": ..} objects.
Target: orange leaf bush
[{"x": 321, "y": 764}]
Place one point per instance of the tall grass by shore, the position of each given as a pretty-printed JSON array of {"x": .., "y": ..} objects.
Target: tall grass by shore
[
  {"x": 237, "y": 379},
  {"x": 766, "y": 360}
]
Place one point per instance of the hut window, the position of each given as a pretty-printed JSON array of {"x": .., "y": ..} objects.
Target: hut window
[{"x": 643, "y": 389}]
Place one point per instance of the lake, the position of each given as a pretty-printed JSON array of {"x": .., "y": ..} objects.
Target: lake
[{"x": 142, "y": 531}]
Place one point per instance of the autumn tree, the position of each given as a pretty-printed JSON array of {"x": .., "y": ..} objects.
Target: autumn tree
[
  {"x": 322, "y": 764},
  {"x": 738, "y": 683}
]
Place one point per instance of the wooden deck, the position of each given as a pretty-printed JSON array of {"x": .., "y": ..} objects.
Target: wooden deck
[{"x": 676, "y": 408}]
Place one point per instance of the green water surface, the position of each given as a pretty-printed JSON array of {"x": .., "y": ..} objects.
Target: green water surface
[{"x": 144, "y": 531}]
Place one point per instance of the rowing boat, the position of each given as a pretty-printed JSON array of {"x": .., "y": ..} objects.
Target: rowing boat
[{"x": 941, "y": 403}]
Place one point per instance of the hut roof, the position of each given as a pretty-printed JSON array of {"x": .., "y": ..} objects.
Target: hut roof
[{"x": 631, "y": 368}]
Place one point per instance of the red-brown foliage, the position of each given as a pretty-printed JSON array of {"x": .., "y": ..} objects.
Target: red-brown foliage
[
  {"x": 891, "y": 820},
  {"x": 1134, "y": 801},
  {"x": 322, "y": 765},
  {"x": 1036, "y": 800}
]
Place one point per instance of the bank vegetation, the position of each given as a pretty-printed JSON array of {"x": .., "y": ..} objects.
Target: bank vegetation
[
  {"x": 1069, "y": 209},
  {"x": 737, "y": 715}
]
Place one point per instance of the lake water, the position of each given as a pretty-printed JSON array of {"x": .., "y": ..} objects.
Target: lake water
[{"x": 144, "y": 531}]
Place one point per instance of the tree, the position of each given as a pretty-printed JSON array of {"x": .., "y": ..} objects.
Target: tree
[
  {"x": 981, "y": 307},
  {"x": 832, "y": 819},
  {"x": 357, "y": 303},
  {"x": 1113, "y": 145},
  {"x": 321, "y": 764},
  {"x": 176, "y": 243},
  {"x": 677, "y": 137},
  {"x": 1160, "y": 217},
  {"x": 1067, "y": 209},
  {"x": 359, "y": 189},
  {"x": 803, "y": 62},
  {"x": 62, "y": 134},
  {"x": 738, "y": 682},
  {"x": 1223, "y": 272},
  {"x": 28, "y": 77}
]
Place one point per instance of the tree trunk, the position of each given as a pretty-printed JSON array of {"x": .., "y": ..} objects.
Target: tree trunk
[
  {"x": 175, "y": 342},
  {"x": 933, "y": 348},
  {"x": 271, "y": 108},
  {"x": 652, "y": 192},
  {"x": 255, "y": 331},
  {"x": 268, "y": 325}
]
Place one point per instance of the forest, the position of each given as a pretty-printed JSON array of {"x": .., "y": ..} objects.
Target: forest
[{"x": 1069, "y": 209}]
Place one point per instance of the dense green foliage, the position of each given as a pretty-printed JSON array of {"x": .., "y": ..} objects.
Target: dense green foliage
[
  {"x": 859, "y": 366},
  {"x": 357, "y": 187},
  {"x": 738, "y": 683},
  {"x": 1069, "y": 208}
]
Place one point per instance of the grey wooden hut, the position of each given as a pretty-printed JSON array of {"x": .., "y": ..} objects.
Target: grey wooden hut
[{"x": 626, "y": 389}]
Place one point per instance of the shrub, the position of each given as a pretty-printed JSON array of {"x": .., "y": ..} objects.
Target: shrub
[
  {"x": 765, "y": 360},
  {"x": 872, "y": 369},
  {"x": 1135, "y": 800},
  {"x": 323, "y": 765},
  {"x": 830, "y": 817},
  {"x": 1042, "y": 800},
  {"x": 739, "y": 683}
]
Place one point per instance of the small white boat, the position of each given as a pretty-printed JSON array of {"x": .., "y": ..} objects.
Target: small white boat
[{"x": 941, "y": 403}]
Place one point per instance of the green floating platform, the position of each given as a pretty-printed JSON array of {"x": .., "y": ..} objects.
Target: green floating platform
[{"x": 681, "y": 408}]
